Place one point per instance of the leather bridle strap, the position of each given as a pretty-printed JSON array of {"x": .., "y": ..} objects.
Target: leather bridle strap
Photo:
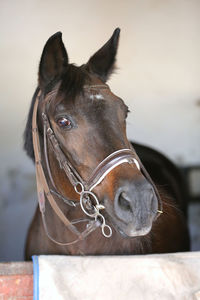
[
  {"x": 42, "y": 185},
  {"x": 148, "y": 177},
  {"x": 70, "y": 171},
  {"x": 108, "y": 164},
  {"x": 43, "y": 188}
]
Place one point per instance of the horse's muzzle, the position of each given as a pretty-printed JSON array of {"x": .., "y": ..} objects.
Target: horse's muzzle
[{"x": 135, "y": 207}]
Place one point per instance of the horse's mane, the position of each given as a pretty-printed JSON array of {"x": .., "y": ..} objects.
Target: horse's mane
[{"x": 72, "y": 82}]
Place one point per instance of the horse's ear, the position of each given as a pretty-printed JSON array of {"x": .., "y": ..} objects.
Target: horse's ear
[
  {"x": 53, "y": 61},
  {"x": 102, "y": 62}
]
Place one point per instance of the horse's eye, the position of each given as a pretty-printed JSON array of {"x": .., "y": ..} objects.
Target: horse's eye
[{"x": 64, "y": 123}]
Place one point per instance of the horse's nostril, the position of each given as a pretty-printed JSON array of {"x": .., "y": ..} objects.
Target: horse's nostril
[{"x": 124, "y": 202}]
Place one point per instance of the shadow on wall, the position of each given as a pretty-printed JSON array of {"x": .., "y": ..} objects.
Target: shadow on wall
[
  {"x": 194, "y": 225},
  {"x": 18, "y": 201}
]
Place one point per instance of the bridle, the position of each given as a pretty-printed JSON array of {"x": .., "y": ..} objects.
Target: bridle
[{"x": 89, "y": 202}]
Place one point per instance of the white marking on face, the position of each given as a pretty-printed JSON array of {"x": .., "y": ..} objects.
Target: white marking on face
[{"x": 97, "y": 96}]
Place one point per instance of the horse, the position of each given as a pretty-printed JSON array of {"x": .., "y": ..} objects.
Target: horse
[{"x": 95, "y": 195}]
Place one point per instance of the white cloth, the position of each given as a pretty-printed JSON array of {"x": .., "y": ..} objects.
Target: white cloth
[{"x": 145, "y": 277}]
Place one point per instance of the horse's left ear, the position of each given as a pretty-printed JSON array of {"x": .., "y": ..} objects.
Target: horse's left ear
[{"x": 102, "y": 62}]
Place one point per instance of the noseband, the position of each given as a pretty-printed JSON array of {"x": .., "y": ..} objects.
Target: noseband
[{"x": 89, "y": 202}]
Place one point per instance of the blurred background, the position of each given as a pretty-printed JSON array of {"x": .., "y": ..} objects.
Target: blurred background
[{"x": 158, "y": 77}]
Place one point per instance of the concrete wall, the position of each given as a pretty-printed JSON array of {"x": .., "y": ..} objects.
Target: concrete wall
[{"x": 158, "y": 77}]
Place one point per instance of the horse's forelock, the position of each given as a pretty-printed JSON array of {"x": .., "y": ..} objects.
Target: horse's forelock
[{"x": 73, "y": 80}]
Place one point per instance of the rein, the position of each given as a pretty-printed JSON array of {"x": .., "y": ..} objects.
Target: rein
[{"x": 91, "y": 208}]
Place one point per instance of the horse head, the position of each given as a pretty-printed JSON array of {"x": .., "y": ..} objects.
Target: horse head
[{"x": 89, "y": 123}]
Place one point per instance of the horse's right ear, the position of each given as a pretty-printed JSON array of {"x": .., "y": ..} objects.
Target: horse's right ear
[{"x": 53, "y": 61}]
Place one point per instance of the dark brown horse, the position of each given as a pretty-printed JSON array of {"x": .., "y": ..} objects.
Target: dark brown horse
[{"x": 87, "y": 168}]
